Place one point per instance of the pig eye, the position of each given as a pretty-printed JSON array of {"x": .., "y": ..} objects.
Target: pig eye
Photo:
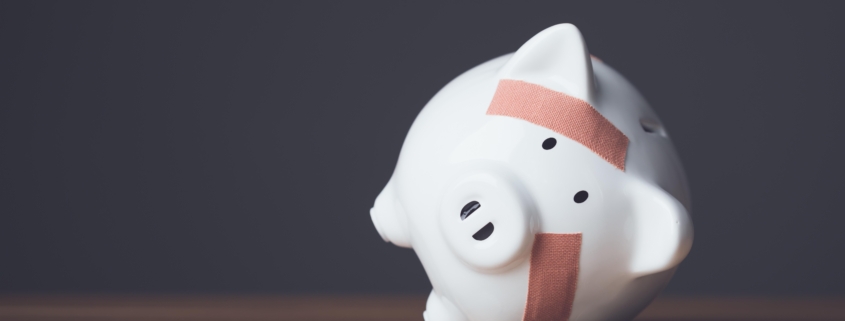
[
  {"x": 469, "y": 209},
  {"x": 581, "y": 196},
  {"x": 549, "y": 143}
]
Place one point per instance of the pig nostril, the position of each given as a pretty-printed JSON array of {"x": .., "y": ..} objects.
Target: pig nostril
[
  {"x": 469, "y": 209},
  {"x": 484, "y": 232}
]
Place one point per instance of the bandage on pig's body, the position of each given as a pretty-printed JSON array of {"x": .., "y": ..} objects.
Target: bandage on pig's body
[
  {"x": 562, "y": 113},
  {"x": 552, "y": 277}
]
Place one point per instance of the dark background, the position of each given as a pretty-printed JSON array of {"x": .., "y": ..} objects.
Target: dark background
[{"x": 184, "y": 147}]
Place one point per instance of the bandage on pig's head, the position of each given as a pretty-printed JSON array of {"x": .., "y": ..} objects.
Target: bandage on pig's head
[{"x": 562, "y": 113}]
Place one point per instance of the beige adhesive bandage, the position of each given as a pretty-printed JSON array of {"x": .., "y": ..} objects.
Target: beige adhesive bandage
[
  {"x": 553, "y": 276},
  {"x": 562, "y": 113}
]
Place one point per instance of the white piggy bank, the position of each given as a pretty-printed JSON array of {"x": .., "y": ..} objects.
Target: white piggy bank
[{"x": 539, "y": 185}]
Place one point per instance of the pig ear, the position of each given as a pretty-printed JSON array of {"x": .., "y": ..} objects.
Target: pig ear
[
  {"x": 389, "y": 217},
  {"x": 662, "y": 229},
  {"x": 556, "y": 58}
]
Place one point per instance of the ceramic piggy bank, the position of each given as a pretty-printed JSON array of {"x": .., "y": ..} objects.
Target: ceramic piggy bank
[{"x": 539, "y": 185}]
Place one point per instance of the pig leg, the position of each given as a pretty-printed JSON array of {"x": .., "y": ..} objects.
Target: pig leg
[{"x": 438, "y": 308}]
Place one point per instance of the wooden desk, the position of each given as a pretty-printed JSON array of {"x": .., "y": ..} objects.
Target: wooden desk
[{"x": 373, "y": 308}]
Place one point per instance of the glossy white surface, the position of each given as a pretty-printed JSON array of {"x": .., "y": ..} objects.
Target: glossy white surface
[{"x": 635, "y": 224}]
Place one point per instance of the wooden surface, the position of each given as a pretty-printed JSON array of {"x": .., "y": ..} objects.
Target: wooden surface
[{"x": 397, "y": 308}]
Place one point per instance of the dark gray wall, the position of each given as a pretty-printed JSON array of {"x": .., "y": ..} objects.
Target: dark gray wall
[{"x": 237, "y": 147}]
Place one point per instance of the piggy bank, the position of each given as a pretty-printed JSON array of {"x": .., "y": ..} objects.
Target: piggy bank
[{"x": 539, "y": 185}]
